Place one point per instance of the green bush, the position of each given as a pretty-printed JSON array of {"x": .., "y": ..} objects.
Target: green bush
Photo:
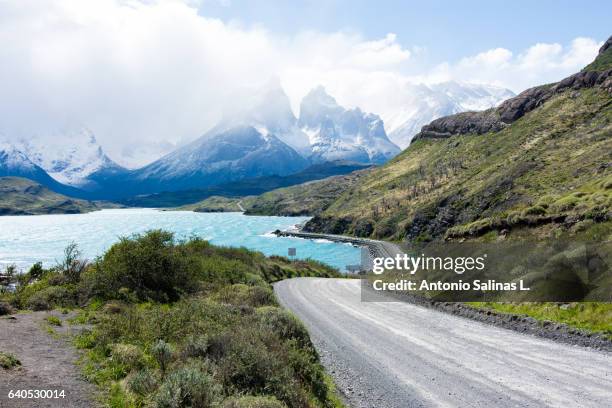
[
  {"x": 8, "y": 361},
  {"x": 284, "y": 324},
  {"x": 163, "y": 354},
  {"x": 535, "y": 210},
  {"x": 129, "y": 355},
  {"x": 36, "y": 271},
  {"x": 565, "y": 203},
  {"x": 249, "y": 360},
  {"x": 253, "y": 402},
  {"x": 72, "y": 265},
  {"x": 143, "y": 382},
  {"x": 240, "y": 294},
  {"x": 188, "y": 387},
  {"x": 5, "y": 308},
  {"x": 195, "y": 346},
  {"x": 54, "y": 320},
  {"x": 152, "y": 266},
  {"x": 51, "y": 297}
]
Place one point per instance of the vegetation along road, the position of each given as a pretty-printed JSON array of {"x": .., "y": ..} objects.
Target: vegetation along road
[{"x": 392, "y": 354}]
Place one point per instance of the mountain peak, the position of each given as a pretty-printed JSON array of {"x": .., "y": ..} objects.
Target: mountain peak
[
  {"x": 316, "y": 107},
  {"x": 73, "y": 157},
  {"x": 337, "y": 133},
  {"x": 318, "y": 96}
]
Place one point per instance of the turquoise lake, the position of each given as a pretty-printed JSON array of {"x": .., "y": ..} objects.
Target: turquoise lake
[{"x": 25, "y": 240}]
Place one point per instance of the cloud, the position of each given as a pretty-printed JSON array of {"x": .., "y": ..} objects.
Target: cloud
[
  {"x": 147, "y": 75},
  {"x": 538, "y": 64}
]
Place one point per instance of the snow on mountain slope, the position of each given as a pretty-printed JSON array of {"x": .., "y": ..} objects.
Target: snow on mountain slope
[
  {"x": 15, "y": 163},
  {"x": 336, "y": 133},
  {"x": 267, "y": 109},
  {"x": 423, "y": 103},
  {"x": 13, "y": 159},
  {"x": 234, "y": 154},
  {"x": 69, "y": 157}
]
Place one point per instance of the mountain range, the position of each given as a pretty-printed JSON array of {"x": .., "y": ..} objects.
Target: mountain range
[
  {"x": 540, "y": 160},
  {"x": 261, "y": 138},
  {"x": 424, "y": 103}
]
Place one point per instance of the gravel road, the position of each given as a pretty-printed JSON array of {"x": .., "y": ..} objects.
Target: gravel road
[{"x": 392, "y": 354}]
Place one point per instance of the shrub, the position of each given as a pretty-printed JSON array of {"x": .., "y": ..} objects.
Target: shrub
[
  {"x": 54, "y": 320},
  {"x": 112, "y": 308},
  {"x": 143, "y": 382},
  {"x": 162, "y": 352},
  {"x": 152, "y": 266},
  {"x": 72, "y": 265},
  {"x": 52, "y": 296},
  {"x": 8, "y": 361},
  {"x": 5, "y": 308},
  {"x": 284, "y": 324},
  {"x": 56, "y": 279},
  {"x": 188, "y": 387},
  {"x": 195, "y": 346},
  {"x": 534, "y": 210},
  {"x": 255, "y": 280},
  {"x": 240, "y": 294},
  {"x": 127, "y": 354},
  {"x": 38, "y": 302},
  {"x": 305, "y": 364},
  {"x": 36, "y": 271},
  {"x": 253, "y": 402},
  {"x": 249, "y": 360},
  {"x": 565, "y": 203},
  {"x": 546, "y": 200}
]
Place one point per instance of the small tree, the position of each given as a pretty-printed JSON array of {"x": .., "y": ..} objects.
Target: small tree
[
  {"x": 8, "y": 276},
  {"x": 162, "y": 352},
  {"x": 36, "y": 271},
  {"x": 72, "y": 266}
]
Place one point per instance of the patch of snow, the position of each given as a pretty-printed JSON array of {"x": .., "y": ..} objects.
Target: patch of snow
[{"x": 71, "y": 158}]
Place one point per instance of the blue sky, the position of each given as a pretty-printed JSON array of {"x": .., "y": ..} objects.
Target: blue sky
[{"x": 448, "y": 29}]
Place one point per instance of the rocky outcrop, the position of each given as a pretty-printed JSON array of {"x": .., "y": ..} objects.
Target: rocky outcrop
[
  {"x": 493, "y": 120},
  {"x": 607, "y": 45},
  {"x": 462, "y": 123}
]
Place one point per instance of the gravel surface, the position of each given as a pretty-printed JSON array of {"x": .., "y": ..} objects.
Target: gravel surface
[
  {"x": 48, "y": 362},
  {"x": 396, "y": 354},
  {"x": 550, "y": 330}
]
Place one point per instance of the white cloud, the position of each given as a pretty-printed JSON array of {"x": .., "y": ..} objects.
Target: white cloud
[
  {"x": 146, "y": 75},
  {"x": 540, "y": 63}
]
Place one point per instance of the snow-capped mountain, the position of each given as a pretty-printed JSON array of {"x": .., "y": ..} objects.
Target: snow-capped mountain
[
  {"x": 234, "y": 154},
  {"x": 15, "y": 163},
  {"x": 420, "y": 104},
  {"x": 268, "y": 110},
  {"x": 74, "y": 157},
  {"x": 336, "y": 133}
]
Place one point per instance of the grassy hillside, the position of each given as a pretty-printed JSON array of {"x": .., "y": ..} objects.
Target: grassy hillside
[
  {"x": 218, "y": 204},
  {"x": 309, "y": 198},
  {"x": 304, "y": 199},
  {"x": 19, "y": 196},
  {"x": 546, "y": 163},
  {"x": 184, "y": 324}
]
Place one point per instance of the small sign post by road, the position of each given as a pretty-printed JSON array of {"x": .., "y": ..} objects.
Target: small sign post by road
[{"x": 292, "y": 252}]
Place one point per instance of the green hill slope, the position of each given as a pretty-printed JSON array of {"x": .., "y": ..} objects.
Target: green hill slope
[
  {"x": 309, "y": 198},
  {"x": 19, "y": 196},
  {"x": 541, "y": 159},
  {"x": 305, "y": 199}
]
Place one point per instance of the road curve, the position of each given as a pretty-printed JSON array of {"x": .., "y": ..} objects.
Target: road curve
[{"x": 392, "y": 354}]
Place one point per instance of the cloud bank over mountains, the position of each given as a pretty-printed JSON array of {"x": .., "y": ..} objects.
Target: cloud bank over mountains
[{"x": 147, "y": 76}]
